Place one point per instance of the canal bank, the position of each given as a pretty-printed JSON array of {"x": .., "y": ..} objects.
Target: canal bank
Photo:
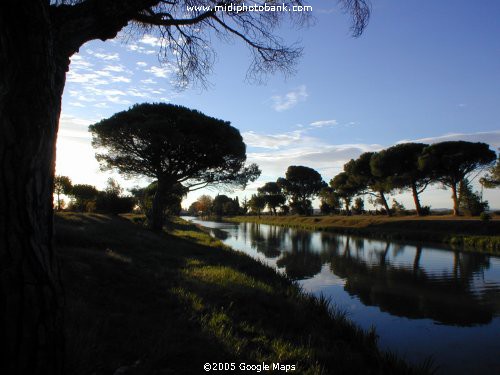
[
  {"x": 462, "y": 233},
  {"x": 173, "y": 302}
]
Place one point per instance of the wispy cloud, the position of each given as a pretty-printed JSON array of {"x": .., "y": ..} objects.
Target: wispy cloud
[
  {"x": 272, "y": 141},
  {"x": 492, "y": 138},
  {"x": 151, "y": 40},
  {"x": 160, "y": 72},
  {"x": 290, "y": 99},
  {"x": 323, "y": 123},
  {"x": 104, "y": 56}
]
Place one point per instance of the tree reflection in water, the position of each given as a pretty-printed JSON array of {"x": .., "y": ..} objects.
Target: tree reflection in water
[{"x": 402, "y": 289}]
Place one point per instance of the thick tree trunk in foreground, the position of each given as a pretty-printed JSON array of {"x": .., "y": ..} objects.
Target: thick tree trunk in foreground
[
  {"x": 414, "y": 191},
  {"x": 31, "y": 85}
]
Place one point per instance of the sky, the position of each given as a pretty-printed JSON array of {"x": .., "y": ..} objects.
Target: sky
[{"x": 425, "y": 71}]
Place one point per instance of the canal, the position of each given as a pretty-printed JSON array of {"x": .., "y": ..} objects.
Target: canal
[{"x": 424, "y": 300}]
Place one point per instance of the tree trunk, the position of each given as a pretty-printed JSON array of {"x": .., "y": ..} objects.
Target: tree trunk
[
  {"x": 347, "y": 202},
  {"x": 454, "y": 196},
  {"x": 158, "y": 214},
  {"x": 32, "y": 78},
  {"x": 58, "y": 201},
  {"x": 414, "y": 191},
  {"x": 384, "y": 202}
]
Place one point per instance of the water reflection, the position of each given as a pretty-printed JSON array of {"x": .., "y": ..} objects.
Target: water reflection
[{"x": 388, "y": 275}]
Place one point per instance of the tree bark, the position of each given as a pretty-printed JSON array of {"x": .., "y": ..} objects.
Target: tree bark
[
  {"x": 158, "y": 209},
  {"x": 384, "y": 203},
  {"x": 32, "y": 78},
  {"x": 414, "y": 191},
  {"x": 454, "y": 196}
]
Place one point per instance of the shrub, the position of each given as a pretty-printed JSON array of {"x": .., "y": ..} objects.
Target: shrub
[{"x": 484, "y": 216}]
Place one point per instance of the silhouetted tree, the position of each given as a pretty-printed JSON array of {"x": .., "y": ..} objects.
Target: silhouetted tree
[
  {"x": 329, "y": 200},
  {"x": 84, "y": 197},
  {"x": 62, "y": 185},
  {"x": 451, "y": 162},
  {"x": 172, "y": 199},
  {"x": 345, "y": 188},
  {"x": 400, "y": 164},
  {"x": 204, "y": 204},
  {"x": 492, "y": 178},
  {"x": 174, "y": 145},
  {"x": 300, "y": 185},
  {"x": 222, "y": 205},
  {"x": 273, "y": 195},
  {"x": 359, "y": 206},
  {"x": 360, "y": 175},
  {"x": 257, "y": 203},
  {"x": 470, "y": 202},
  {"x": 32, "y": 81}
]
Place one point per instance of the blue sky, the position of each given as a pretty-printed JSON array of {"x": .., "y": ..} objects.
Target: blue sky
[{"x": 423, "y": 70}]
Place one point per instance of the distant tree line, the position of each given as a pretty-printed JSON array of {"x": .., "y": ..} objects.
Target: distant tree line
[
  {"x": 404, "y": 167},
  {"x": 221, "y": 205},
  {"x": 87, "y": 198}
]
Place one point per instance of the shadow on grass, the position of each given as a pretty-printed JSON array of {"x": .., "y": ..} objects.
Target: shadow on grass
[{"x": 168, "y": 303}]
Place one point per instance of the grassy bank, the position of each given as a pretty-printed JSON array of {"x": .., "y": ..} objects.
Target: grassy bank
[
  {"x": 469, "y": 234},
  {"x": 168, "y": 303}
]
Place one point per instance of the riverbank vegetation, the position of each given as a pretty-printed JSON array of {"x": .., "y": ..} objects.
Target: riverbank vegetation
[
  {"x": 161, "y": 303},
  {"x": 462, "y": 232}
]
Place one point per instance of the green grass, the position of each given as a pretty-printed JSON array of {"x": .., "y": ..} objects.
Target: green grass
[
  {"x": 168, "y": 303},
  {"x": 464, "y": 233}
]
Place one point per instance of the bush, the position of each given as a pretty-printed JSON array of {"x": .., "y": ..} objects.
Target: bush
[
  {"x": 113, "y": 204},
  {"x": 425, "y": 210},
  {"x": 484, "y": 216}
]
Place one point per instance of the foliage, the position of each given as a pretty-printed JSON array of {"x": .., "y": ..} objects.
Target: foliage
[
  {"x": 470, "y": 202},
  {"x": 222, "y": 205},
  {"x": 329, "y": 201},
  {"x": 62, "y": 185},
  {"x": 359, "y": 206},
  {"x": 84, "y": 196},
  {"x": 492, "y": 178},
  {"x": 361, "y": 176},
  {"x": 174, "y": 145},
  {"x": 451, "y": 162},
  {"x": 171, "y": 199},
  {"x": 345, "y": 188},
  {"x": 301, "y": 184},
  {"x": 400, "y": 164},
  {"x": 257, "y": 203},
  {"x": 202, "y": 206},
  {"x": 484, "y": 216},
  {"x": 397, "y": 207},
  {"x": 273, "y": 195}
]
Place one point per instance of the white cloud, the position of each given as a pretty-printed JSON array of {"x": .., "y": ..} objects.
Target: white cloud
[
  {"x": 148, "y": 81},
  {"x": 141, "y": 63},
  {"x": 151, "y": 40},
  {"x": 323, "y": 123},
  {"x": 105, "y": 56},
  {"x": 120, "y": 79},
  {"x": 492, "y": 138},
  {"x": 271, "y": 141},
  {"x": 290, "y": 99},
  {"x": 94, "y": 79},
  {"x": 115, "y": 68},
  {"x": 160, "y": 72}
]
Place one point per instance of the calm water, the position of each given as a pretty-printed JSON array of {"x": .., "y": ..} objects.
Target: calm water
[{"x": 423, "y": 300}]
